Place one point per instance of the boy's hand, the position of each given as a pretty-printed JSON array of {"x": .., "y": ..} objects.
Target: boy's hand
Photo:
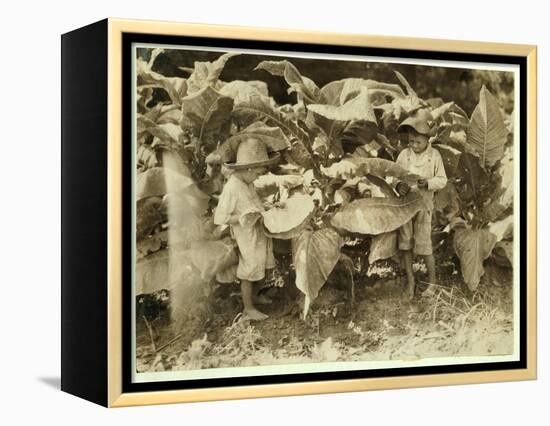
[
  {"x": 249, "y": 219},
  {"x": 402, "y": 188},
  {"x": 422, "y": 183}
]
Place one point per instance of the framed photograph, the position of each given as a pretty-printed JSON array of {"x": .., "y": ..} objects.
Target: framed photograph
[{"x": 256, "y": 212}]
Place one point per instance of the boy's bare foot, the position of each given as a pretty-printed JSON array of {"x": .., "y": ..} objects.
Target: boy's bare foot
[
  {"x": 254, "y": 314},
  {"x": 409, "y": 292},
  {"x": 262, "y": 299}
]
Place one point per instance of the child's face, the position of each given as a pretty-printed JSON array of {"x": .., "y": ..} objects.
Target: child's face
[
  {"x": 417, "y": 141},
  {"x": 250, "y": 175}
]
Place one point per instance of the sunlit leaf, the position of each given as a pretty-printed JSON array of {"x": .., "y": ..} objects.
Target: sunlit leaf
[
  {"x": 358, "y": 108},
  {"x": 487, "y": 132},
  {"x": 383, "y": 246},
  {"x": 259, "y": 108},
  {"x": 473, "y": 246},
  {"x": 375, "y": 216},
  {"x": 292, "y": 214},
  {"x": 315, "y": 254},
  {"x": 206, "y": 74},
  {"x": 206, "y": 113},
  {"x": 242, "y": 91},
  {"x": 304, "y": 86}
]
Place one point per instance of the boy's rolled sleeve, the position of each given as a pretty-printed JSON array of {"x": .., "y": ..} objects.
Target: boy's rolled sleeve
[{"x": 440, "y": 177}]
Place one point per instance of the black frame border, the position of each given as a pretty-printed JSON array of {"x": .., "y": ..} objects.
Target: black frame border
[{"x": 128, "y": 169}]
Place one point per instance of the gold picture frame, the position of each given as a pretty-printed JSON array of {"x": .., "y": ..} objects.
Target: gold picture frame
[{"x": 110, "y": 390}]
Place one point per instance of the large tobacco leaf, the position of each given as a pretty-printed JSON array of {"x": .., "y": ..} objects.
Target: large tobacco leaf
[
  {"x": 207, "y": 74},
  {"x": 357, "y": 108},
  {"x": 259, "y": 108},
  {"x": 242, "y": 91},
  {"x": 473, "y": 246},
  {"x": 206, "y": 114},
  {"x": 501, "y": 190},
  {"x": 314, "y": 254},
  {"x": 360, "y": 166},
  {"x": 178, "y": 270},
  {"x": 450, "y": 157},
  {"x": 339, "y": 91},
  {"x": 296, "y": 209},
  {"x": 487, "y": 132},
  {"x": 176, "y": 87},
  {"x": 383, "y": 246},
  {"x": 375, "y": 216},
  {"x": 306, "y": 89}
]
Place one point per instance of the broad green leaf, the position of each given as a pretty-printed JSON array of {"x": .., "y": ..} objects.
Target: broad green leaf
[
  {"x": 332, "y": 130},
  {"x": 383, "y": 246},
  {"x": 176, "y": 87},
  {"x": 360, "y": 132},
  {"x": 337, "y": 92},
  {"x": 473, "y": 246},
  {"x": 177, "y": 270},
  {"x": 146, "y": 158},
  {"x": 168, "y": 133},
  {"x": 259, "y": 108},
  {"x": 505, "y": 249},
  {"x": 279, "y": 181},
  {"x": 487, "y": 132},
  {"x": 206, "y": 114},
  {"x": 375, "y": 216},
  {"x": 358, "y": 108},
  {"x": 381, "y": 183},
  {"x": 241, "y": 91},
  {"x": 450, "y": 157},
  {"x": 314, "y": 254},
  {"x": 304, "y": 86},
  {"x": 149, "y": 213},
  {"x": 404, "y": 82},
  {"x": 501, "y": 196},
  {"x": 471, "y": 176},
  {"x": 447, "y": 201},
  {"x": 441, "y": 110},
  {"x": 206, "y": 74},
  {"x": 360, "y": 166},
  {"x": 294, "y": 212}
]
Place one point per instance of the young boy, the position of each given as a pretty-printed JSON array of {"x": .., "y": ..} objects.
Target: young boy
[
  {"x": 240, "y": 207},
  {"x": 421, "y": 159}
]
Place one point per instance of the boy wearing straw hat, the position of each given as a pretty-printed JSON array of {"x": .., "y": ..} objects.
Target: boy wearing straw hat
[
  {"x": 421, "y": 159},
  {"x": 240, "y": 207}
]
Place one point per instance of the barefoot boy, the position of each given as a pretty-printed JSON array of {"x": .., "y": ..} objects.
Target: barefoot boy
[
  {"x": 240, "y": 207},
  {"x": 421, "y": 159}
]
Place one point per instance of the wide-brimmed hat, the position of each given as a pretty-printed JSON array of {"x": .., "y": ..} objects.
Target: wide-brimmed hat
[
  {"x": 252, "y": 153},
  {"x": 421, "y": 121}
]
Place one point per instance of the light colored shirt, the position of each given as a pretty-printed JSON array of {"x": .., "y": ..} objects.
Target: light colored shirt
[
  {"x": 428, "y": 165},
  {"x": 255, "y": 247}
]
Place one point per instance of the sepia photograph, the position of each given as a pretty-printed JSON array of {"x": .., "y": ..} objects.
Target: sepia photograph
[{"x": 309, "y": 212}]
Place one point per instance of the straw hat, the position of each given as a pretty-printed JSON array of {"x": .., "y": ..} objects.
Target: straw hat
[
  {"x": 421, "y": 121},
  {"x": 252, "y": 153}
]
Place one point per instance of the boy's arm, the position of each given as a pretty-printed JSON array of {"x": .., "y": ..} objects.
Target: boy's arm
[{"x": 440, "y": 177}]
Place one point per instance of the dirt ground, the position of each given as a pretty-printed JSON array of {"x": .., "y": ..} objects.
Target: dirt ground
[{"x": 378, "y": 324}]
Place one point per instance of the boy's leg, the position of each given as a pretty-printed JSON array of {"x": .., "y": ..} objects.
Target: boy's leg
[
  {"x": 405, "y": 240},
  {"x": 430, "y": 266},
  {"x": 249, "y": 308},
  {"x": 423, "y": 244},
  {"x": 407, "y": 257}
]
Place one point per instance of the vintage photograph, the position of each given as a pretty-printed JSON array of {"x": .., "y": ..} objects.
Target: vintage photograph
[{"x": 302, "y": 212}]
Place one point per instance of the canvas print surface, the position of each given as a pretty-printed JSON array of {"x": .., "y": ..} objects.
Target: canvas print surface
[{"x": 299, "y": 213}]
